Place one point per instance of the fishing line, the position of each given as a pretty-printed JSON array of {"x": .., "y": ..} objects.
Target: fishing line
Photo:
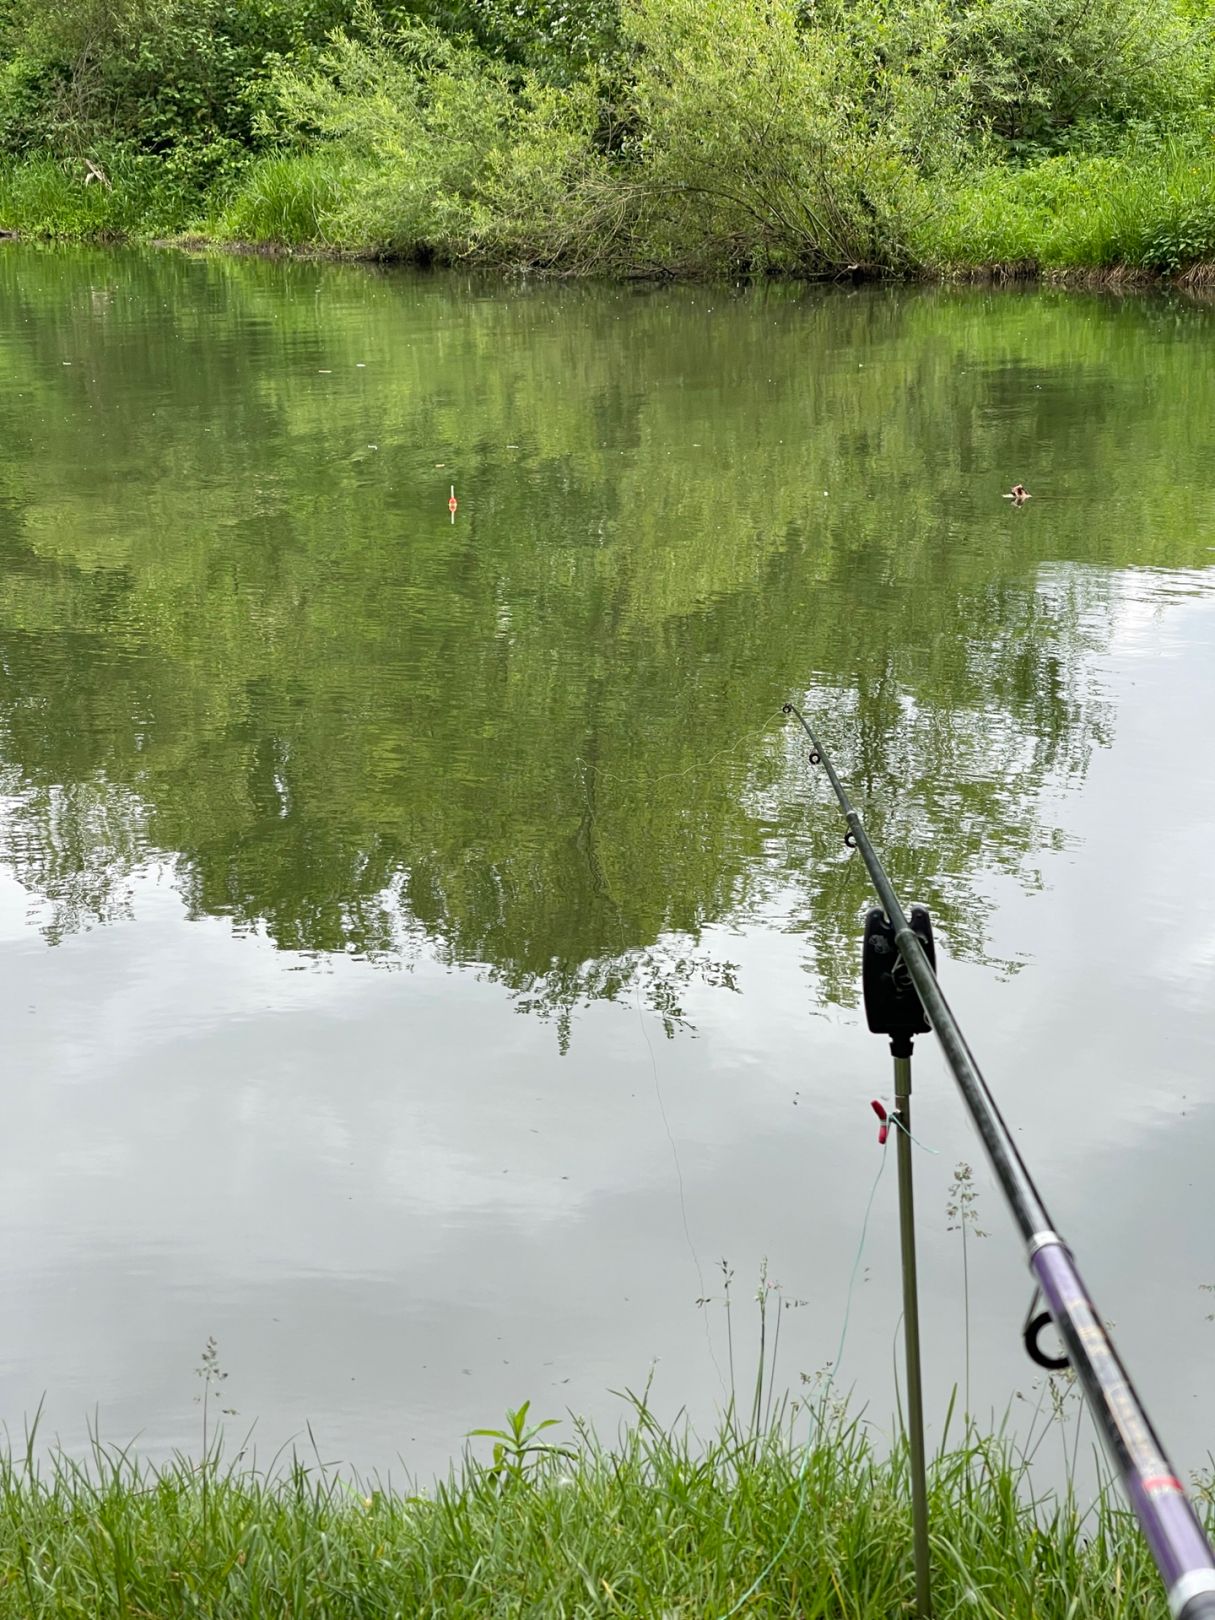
[
  {"x": 683, "y": 1200},
  {"x": 831, "y": 1376},
  {"x": 860, "y": 1250},
  {"x": 893, "y": 1119},
  {"x": 833, "y": 1373},
  {"x": 601, "y": 876},
  {"x": 748, "y": 737},
  {"x": 666, "y": 1125}
]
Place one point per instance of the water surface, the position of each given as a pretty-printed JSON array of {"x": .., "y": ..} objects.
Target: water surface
[{"x": 427, "y": 953}]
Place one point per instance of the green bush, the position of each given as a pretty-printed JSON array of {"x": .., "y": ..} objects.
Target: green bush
[
  {"x": 1039, "y": 69},
  {"x": 149, "y": 73},
  {"x": 557, "y": 39},
  {"x": 444, "y": 154},
  {"x": 763, "y": 143},
  {"x": 1148, "y": 210}
]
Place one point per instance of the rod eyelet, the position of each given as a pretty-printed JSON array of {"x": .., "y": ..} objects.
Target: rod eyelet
[
  {"x": 1035, "y": 1351},
  {"x": 850, "y": 839},
  {"x": 815, "y": 757}
]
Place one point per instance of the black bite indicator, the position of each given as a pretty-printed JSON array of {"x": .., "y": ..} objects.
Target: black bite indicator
[{"x": 892, "y": 1005}]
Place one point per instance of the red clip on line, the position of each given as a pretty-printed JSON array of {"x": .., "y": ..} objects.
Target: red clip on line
[{"x": 884, "y": 1127}]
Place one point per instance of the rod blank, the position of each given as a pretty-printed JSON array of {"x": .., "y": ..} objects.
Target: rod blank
[{"x": 1169, "y": 1523}]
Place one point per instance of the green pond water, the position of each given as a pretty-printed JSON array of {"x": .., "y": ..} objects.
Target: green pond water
[{"x": 427, "y": 952}]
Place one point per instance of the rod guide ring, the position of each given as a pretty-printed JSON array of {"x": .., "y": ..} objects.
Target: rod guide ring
[{"x": 1034, "y": 1350}]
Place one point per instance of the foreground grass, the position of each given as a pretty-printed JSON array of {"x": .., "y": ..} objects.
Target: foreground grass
[{"x": 653, "y": 1526}]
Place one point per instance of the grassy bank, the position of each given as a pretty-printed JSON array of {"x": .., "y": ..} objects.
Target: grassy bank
[
  {"x": 1151, "y": 212},
  {"x": 655, "y": 1525},
  {"x": 623, "y": 137},
  {"x": 1135, "y": 220}
]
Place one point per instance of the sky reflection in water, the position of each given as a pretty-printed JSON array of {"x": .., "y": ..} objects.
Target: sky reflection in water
[{"x": 358, "y": 866}]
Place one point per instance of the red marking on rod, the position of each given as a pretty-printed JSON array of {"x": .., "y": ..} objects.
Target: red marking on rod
[
  {"x": 1162, "y": 1482},
  {"x": 453, "y": 502},
  {"x": 883, "y": 1128}
]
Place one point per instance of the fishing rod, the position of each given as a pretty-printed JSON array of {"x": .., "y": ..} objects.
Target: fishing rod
[{"x": 1170, "y": 1526}]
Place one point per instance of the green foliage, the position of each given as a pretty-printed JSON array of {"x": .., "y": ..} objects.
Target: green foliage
[
  {"x": 291, "y": 198},
  {"x": 151, "y": 73},
  {"x": 764, "y": 144},
  {"x": 1150, "y": 210},
  {"x": 445, "y": 154},
  {"x": 807, "y": 1511},
  {"x": 1037, "y": 69},
  {"x": 559, "y": 39},
  {"x": 708, "y": 136},
  {"x": 744, "y": 138}
]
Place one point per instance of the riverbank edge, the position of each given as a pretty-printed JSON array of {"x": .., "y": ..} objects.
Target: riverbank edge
[
  {"x": 1129, "y": 278},
  {"x": 803, "y": 1514}
]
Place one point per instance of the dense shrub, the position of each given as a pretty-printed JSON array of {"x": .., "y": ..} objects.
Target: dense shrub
[
  {"x": 747, "y": 141},
  {"x": 1039, "y": 69},
  {"x": 444, "y": 152},
  {"x": 702, "y": 136},
  {"x": 753, "y": 143},
  {"x": 154, "y": 74}
]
